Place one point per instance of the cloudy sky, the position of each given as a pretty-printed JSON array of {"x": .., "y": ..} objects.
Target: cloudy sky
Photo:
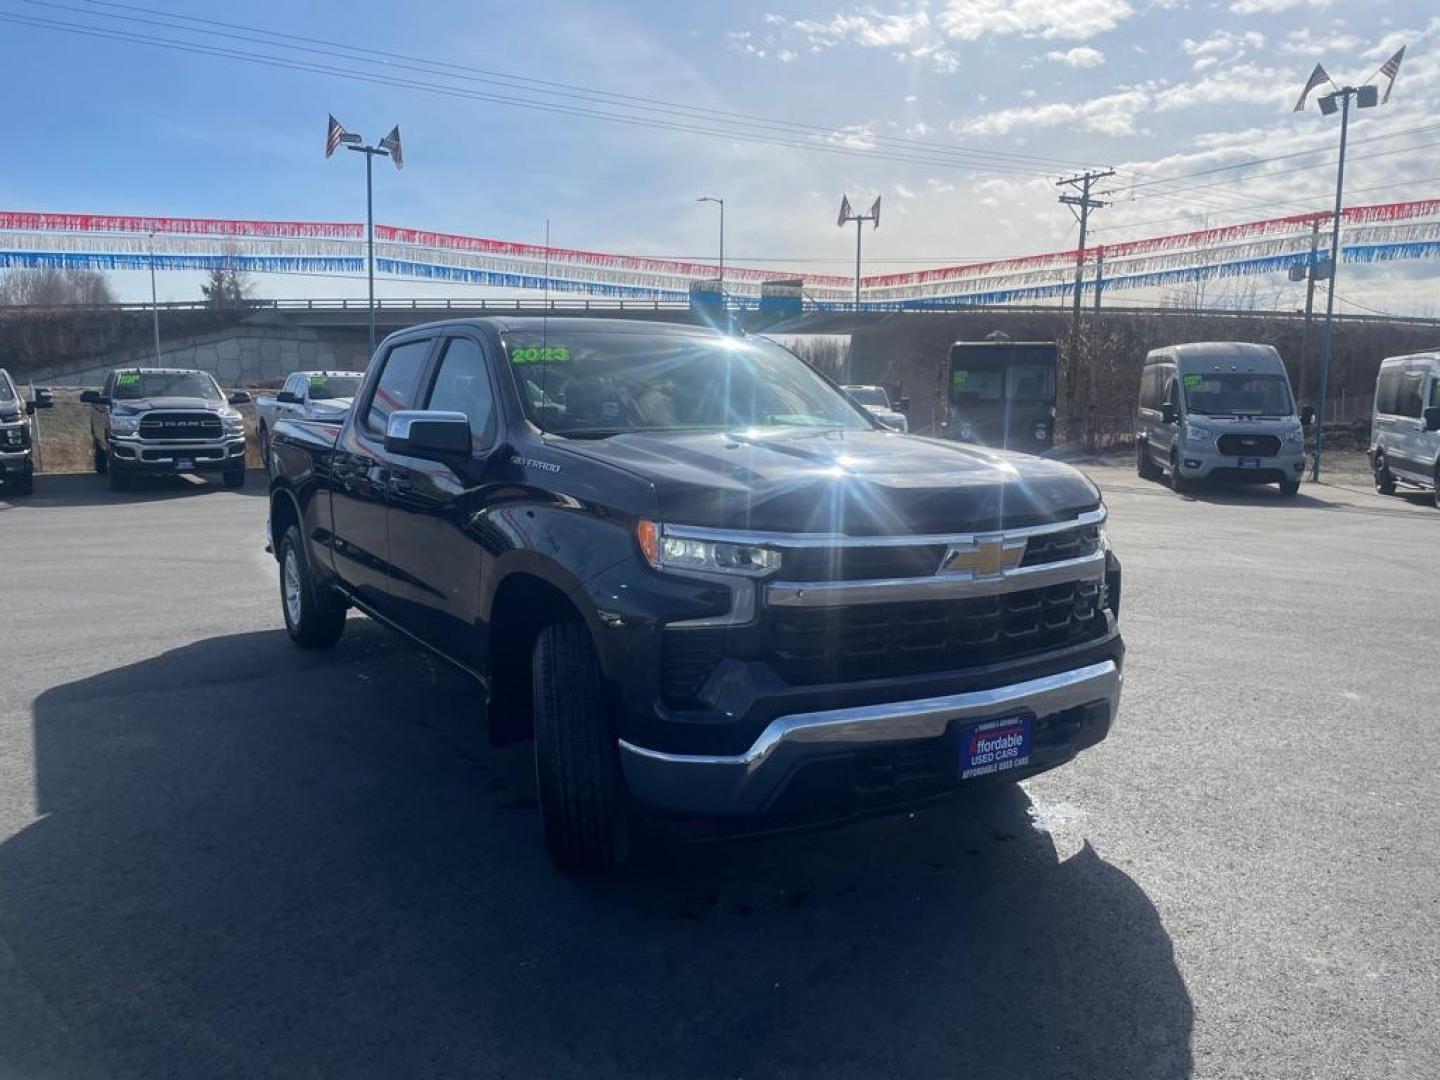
[{"x": 961, "y": 113}]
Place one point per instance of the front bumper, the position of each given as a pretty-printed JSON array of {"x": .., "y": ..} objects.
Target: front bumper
[
  {"x": 836, "y": 762},
  {"x": 139, "y": 455},
  {"x": 16, "y": 465},
  {"x": 1207, "y": 463}
]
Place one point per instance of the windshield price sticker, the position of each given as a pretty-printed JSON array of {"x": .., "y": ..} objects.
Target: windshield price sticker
[
  {"x": 318, "y": 382},
  {"x": 129, "y": 378},
  {"x": 534, "y": 354},
  {"x": 959, "y": 378},
  {"x": 1193, "y": 380}
]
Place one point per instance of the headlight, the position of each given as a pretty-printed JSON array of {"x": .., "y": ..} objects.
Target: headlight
[
  {"x": 233, "y": 423},
  {"x": 128, "y": 424},
  {"x": 666, "y": 552},
  {"x": 1295, "y": 435},
  {"x": 1197, "y": 434}
]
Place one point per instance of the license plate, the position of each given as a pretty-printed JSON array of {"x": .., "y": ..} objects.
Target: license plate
[
  {"x": 995, "y": 746},
  {"x": 184, "y": 463},
  {"x": 1249, "y": 463}
]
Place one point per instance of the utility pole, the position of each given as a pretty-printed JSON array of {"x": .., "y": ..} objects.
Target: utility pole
[
  {"x": 1085, "y": 182},
  {"x": 1310, "y": 269},
  {"x": 154, "y": 302}
]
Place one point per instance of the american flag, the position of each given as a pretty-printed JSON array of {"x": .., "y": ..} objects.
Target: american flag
[
  {"x": 845, "y": 212},
  {"x": 1317, "y": 78},
  {"x": 391, "y": 143},
  {"x": 336, "y": 136},
  {"x": 1390, "y": 69}
]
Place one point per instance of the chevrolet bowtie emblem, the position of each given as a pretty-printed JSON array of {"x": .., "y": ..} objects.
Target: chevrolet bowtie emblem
[{"x": 983, "y": 558}]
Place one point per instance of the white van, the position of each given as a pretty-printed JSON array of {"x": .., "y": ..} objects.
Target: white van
[
  {"x": 1219, "y": 410},
  {"x": 1405, "y": 436}
]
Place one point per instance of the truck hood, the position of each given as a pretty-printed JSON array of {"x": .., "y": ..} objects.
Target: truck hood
[
  {"x": 855, "y": 482},
  {"x": 168, "y": 403}
]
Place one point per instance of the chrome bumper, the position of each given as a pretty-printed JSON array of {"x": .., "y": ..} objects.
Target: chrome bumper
[
  {"x": 131, "y": 451},
  {"x": 745, "y": 784}
]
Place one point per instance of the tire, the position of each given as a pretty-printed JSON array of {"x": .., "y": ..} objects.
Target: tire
[
  {"x": 1289, "y": 488},
  {"x": 314, "y": 614},
  {"x": 1435, "y": 487},
  {"x": 583, "y": 801},
  {"x": 119, "y": 480},
  {"x": 1384, "y": 478},
  {"x": 1178, "y": 483},
  {"x": 1145, "y": 466},
  {"x": 102, "y": 459},
  {"x": 263, "y": 438},
  {"x": 234, "y": 478},
  {"x": 25, "y": 486}
]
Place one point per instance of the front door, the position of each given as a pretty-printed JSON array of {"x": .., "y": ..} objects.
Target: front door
[
  {"x": 436, "y": 546},
  {"x": 360, "y": 543}
]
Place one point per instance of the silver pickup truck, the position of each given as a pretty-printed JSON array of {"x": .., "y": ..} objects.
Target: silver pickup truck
[{"x": 306, "y": 395}]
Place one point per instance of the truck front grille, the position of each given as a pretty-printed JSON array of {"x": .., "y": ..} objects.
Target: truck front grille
[
  {"x": 1248, "y": 445},
  {"x": 871, "y": 641},
  {"x": 180, "y": 426}
]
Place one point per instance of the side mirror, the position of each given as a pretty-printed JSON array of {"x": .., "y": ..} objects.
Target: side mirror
[
  {"x": 287, "y": 397},
  {"x": 240, "y": 397},
  {"x": 92, "y": 397},
  {"x": 1307, "y": 415},
  {"x": 1169, "y": 413},
  {"x": 435, "y": 436},
  {"x": 1432, "y": 418}
]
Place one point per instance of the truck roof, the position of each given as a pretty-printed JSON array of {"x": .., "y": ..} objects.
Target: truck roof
[
  {"x": 569, "y": 324},
  {"x": 159, "y": 371},
  {"x": 1433, "y": 355}
]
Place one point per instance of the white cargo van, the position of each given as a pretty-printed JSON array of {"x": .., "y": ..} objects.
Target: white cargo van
[
  {"x": 1405, "y": 436},
  {"x": 1219, "y": 410}
]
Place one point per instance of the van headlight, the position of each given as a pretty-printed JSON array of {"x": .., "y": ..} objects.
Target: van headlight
[
  {"x": 1196, "y": 433},
  {"x": 1295, "y": 435},
  {"x": 665, "y": 551}
]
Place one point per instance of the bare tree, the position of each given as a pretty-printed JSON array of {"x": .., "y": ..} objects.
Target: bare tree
[
  {"x": 53, "y": 287},
  {"x": 227, "y": 287}
]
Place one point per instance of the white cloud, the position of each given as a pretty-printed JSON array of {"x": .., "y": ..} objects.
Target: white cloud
[
  {"x": 1304, "y": 42},
  {"x": 902, "y": 192},
  {"x": 1221, "y": 47},
  {"x": 970, "y": 20},
  {"x": 1082, "y": 56},
  {"x": 1239, "y": 84},
  {"x": 1112, "y": 114},
  {"x": 786, "y": 55},
  {"x": 1270, "y": 7}
]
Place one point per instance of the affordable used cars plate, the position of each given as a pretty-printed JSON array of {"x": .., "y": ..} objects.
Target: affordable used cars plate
[{"x": 994, "y": 746}]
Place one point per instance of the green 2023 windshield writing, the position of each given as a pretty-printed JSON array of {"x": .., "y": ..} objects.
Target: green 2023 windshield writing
[{"x": 535, "y": 354}]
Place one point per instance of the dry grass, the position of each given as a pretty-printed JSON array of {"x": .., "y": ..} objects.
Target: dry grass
[{"x": 65, "y": 435}]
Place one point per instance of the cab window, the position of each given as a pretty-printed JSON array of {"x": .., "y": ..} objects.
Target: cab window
[
  {"x": 1408, "y": 401},
  {"x": 399, "y": 384},
  {"x": 1386, "y": 390},
  {"x": 462, "y": 384}
]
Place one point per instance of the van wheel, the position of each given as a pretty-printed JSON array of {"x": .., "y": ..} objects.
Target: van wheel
[
  {"x": 314, "y": 613},
  {"x": 102, "y": 459},
  {"x": 1145, "y": 466},
  {"x": 1289, "y": 488},
  {"x": 1178, "y": 483},
  {"x": 1384, "y": 478},
  {"x": 583, "y": 801}
]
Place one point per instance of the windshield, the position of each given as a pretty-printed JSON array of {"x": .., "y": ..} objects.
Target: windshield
[
  {"x": 869, "y": 395},
  {"x": 992, "y": 380},
  {"x": 1237, "y": 394},
  {"x": 135, "y": 385},
  {"x": 324, "y": 387},
  {"x": 7, "y": 389},
  {"x": 595, "y": 384}
]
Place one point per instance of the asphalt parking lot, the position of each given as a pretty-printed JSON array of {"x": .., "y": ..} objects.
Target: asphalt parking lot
[{"x": 222, "y": 857}]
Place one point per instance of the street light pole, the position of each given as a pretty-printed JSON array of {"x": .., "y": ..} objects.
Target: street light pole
[
  {"x": 1327, "y": 331},
  {"x": 335, "y": 137},
  {"x": 847, "y": 215},
  {"x": 154, "y": 302},
  {"x": 721, "y": 203}
]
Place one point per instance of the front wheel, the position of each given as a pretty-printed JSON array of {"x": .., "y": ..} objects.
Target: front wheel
[
  {"x": 102, "y": 460},
  {"x": 263, "y": 438},
  {"x": 1178, "y": 483},
  {"x": 314, "y": 613},
  {"x": 235, "y": 478},
  {"x": 1145, "y": 466},
  {"x": 1289, "y": 488},
  {"x": 119, "y": 480},
  {"x": 25, "y": 486},
  {"x": 1435, "y": 487},
  {"x": 583, "y": 801}
]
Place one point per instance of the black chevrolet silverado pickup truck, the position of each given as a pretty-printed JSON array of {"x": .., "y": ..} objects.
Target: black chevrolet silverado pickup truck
[
  {"x": 709, "y": 585},
  {"x": 17, "y": 455}
]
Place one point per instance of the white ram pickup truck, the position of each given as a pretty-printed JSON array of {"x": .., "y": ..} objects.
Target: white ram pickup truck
[{"x": 306, "y": 395}]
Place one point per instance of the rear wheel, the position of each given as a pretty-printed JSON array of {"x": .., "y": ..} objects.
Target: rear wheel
[
  {"x": 1145, "y": 466},
  {"x": 1289, "y": 488},
  {"x": 102, "y": 459},
  {"x": 583, "y": 801},
  {"x": 1384, "y": 478},
  {"x": 314, "y": 613}
]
